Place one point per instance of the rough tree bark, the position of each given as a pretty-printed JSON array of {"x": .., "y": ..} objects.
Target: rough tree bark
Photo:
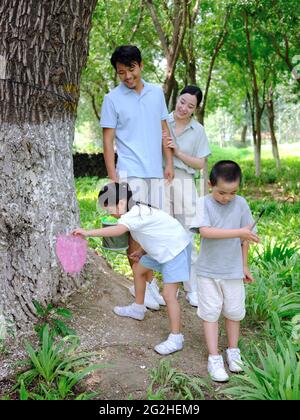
[{"x": 43, "y": 49}]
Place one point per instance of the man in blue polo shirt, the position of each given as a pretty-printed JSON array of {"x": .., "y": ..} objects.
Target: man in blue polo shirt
[{"x": 134, "y": 114}]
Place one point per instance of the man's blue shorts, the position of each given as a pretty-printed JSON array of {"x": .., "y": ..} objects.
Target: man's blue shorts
[{"x": 174, "y": 271}]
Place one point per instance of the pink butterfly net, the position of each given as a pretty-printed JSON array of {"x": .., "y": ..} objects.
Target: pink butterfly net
[{"x": 72, "y": 252}]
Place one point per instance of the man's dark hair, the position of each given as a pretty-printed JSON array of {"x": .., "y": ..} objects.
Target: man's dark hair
[
  {"x": 227, "y": 170},
  {"x": 193, "y": 90},
  {"x": 127, "y": 55}
]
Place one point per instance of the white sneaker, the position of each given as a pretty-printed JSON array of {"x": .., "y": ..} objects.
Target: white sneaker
[
  {"x": 149, "y": 301},
  {"x": 172, "y": 344},
  {"x": 131, "y": 311},
  {"x": 192, "y": 298},
  {"x": 155, "y": 292},
  {"x": 216, "y": 369},
  {"x": 233, "y": 358}
]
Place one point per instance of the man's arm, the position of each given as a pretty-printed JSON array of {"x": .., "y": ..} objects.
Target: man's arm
[
  {"x": 109, "y": 152},
  {"x": 168, "y": 153}
]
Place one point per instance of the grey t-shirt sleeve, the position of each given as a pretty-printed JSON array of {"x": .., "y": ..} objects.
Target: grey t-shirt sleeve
[
  {"x": 201, "y": 218},
  {"x": 202, "y": 149},
  {"x": 247, "y": 218}
]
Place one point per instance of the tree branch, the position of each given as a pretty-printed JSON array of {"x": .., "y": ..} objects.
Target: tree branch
[{"x": 158, "y": 27}]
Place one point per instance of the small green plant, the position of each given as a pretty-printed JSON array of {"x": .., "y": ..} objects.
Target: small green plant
[
  {"x": 276, "y": 250},
  {"x": 51, "y": 316},
  {"x": 168, "y": 383},
  {"x": 277, "y": 377},
  {"x": 56, "y": 368}
]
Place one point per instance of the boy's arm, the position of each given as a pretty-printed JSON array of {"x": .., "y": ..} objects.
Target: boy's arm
[
  {"x": 247, "y": 275},
  {"x": 104, "y": 232},
  {"x": 244, "y": 233},
  {"x": 109, "y": 153},
  {"x": 168, "y": 154}
]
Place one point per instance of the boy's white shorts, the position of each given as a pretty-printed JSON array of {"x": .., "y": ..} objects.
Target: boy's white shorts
[{"x": 217, "y": 296}]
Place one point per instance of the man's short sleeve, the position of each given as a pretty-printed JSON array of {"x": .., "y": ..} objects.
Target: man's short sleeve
[
  {"x": 203, "y": 149},
  {"x": 201, "y": 218},
  {"x": 109, "y": 115},
  {"x": 247, "y": 218},
  {"x": 164, "y": 109}
]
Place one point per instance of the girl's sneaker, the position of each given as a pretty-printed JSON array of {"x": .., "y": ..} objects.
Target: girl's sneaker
[
  {"x": 233, "y": 358},
  {"x": 131, "y": 311},
  {"x": 172, "y": 344},
  {"x": 149, "y": 301},
  {"x": 216, "y": 369}
]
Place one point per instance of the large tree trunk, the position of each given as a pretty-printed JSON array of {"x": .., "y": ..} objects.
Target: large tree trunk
[
  {"x": 257, "y": 109},
  {"x": 43, "y": 48},
  {"x": 244, "y": 134}
]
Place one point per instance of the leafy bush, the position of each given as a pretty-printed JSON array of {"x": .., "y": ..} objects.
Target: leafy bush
[
  {"x": 56, "y": 368},
  {"x": 277, "y": 378},
  {"x": 50, "y": 317},
  {"x": 168, "y": 383}
]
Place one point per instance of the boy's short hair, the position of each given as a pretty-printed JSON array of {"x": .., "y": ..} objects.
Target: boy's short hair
[
  {"x": 127, "y": 55},
  {"x": 228, "y": 170}
]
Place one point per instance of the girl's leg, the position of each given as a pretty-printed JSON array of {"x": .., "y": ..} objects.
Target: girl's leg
[
  {"x": 175, "y": 340},
  {"x": 211, "y": 332},
  {"x": 233, "y": 333},
  {"x": 133, "y": 246},
  {"x": 140, "y": 278},
  {"x": 170, "y": 296}
]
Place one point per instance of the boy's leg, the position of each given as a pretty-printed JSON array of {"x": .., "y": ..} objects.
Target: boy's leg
[
  {"x": 233, "y": 332},
  {"x": 210, "y": 306},
  {"x": 234, "y": 312},
  {"x": 170, "y": 296},
  {"x": 211, "y": 332}
]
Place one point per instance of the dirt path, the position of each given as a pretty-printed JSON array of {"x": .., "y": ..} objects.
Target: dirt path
[{"x": 127, "y": 344}]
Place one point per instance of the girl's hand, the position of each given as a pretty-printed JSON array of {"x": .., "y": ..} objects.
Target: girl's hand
[
  {"x": 79, "y": 232},
  {"x": 247, "y": 276},
  {"x": 246, "y": 234},
  {"x": 136, "y": 255}
]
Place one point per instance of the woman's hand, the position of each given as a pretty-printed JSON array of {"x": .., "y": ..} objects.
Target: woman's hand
[
  {"x": 173, "y": 146},
  {"x": 79, "y": 232}
]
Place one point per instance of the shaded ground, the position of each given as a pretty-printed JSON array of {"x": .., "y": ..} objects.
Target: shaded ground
[{"x": 125, "y": 344}]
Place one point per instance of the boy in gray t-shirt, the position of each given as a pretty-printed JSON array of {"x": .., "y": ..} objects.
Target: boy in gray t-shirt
[{"x": 225, "y": 224}]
